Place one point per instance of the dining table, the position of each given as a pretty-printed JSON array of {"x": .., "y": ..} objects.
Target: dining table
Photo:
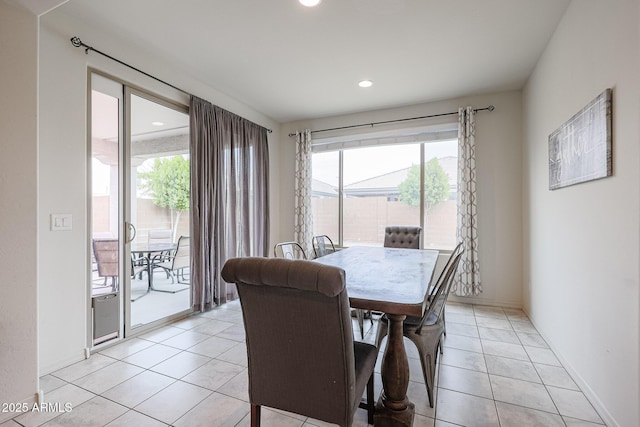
[{"x": 396, "y": 282}]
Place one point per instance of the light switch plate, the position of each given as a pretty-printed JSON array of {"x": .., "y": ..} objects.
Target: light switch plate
[{"x": 61, "y": 222}]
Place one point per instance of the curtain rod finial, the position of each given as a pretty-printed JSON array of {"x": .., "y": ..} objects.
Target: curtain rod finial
[
  {"x": 75, "y": 41},
  {"x": 491, "y": 108}
]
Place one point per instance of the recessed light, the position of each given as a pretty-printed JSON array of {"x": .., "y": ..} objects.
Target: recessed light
[
  {"x": 365, "y": 83},
  {"x": 157, "y": 123},
  {"x": 309, "y": 3}
]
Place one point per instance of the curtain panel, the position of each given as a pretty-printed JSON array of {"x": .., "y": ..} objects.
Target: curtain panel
[
  {"x": 303, "y": 226},
  {"x": 467, "y": 281},
  {"x": 229, "y": 197}
]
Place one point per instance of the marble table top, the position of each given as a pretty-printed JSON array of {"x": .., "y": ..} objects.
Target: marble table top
[{"x": 390, "y": 280}]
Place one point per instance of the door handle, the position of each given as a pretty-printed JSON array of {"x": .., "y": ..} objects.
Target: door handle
[{"x": 131, "y": 232}]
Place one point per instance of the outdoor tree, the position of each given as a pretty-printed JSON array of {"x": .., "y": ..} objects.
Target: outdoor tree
[
  {"x": 436, "y": 185},
  {"x": 168, "y": 183}
]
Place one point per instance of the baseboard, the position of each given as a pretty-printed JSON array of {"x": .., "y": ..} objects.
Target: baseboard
[
  {"x": 52, "y": 367},
  {"x": 588, "y": 392},
  {"x": 480, "y": 300}
]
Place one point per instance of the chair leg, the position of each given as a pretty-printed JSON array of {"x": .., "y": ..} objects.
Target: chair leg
[
  {"x": 370, "y": 401},
  {"x": 255, "y": 415},
  {"x": 360, "y": 316},
  {"x": 444, "y": 323},
  {"x": 383, "y": 329},
  {"x": 428, "y": 361},
  {"x": 370, "y": 313}
]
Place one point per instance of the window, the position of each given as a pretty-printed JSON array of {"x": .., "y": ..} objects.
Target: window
[{"x": 362, "y": 184}]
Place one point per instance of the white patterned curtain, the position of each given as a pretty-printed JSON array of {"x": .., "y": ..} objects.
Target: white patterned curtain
[
  {"x": 303, "y": 227},
  {"x": 467, "y": 281}
]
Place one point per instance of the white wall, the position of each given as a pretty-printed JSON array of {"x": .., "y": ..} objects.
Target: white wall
[
  {"x": 18, "y": 203},
  {"x": 498, "y": 142},
  {"x": 63, "y": 309},
  {"x": 581, "y": 242}
]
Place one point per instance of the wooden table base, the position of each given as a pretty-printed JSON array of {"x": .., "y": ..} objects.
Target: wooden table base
[{"x": 393, "y": 407}]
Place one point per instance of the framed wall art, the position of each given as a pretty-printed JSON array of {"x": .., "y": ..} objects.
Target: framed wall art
[{"x": 580, "y": 149}]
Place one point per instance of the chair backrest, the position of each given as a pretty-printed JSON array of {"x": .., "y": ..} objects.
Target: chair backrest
[
  {"x": 322, "y": 245},
  {"x": 159, "y": 236},
  {"x": 289, "y": 250},
  {"x": 457, "y": 250},
  {"x": 105, "y": 252},
  {"x": 440, "y": 293},
  {"x": 298, "y": 334},
  {"x": 182, "y": 255},
  {"x": 407, "y": 237}
]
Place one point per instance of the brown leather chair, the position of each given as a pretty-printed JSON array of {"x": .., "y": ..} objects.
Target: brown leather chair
[
  {"x": 426, "y": 332},
  {"x": 402, "y": 237},
  {"x": 301, "y": 353}
]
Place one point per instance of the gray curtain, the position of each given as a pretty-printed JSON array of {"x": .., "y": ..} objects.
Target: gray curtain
[{"x": 229, "y": 197}]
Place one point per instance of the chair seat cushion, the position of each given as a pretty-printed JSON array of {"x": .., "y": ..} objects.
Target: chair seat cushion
[
  {"x": 414, "y": 322},
  {"x": 365, "y": 359}
]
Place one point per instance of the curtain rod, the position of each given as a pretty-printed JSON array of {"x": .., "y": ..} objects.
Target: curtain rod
[
  {"x": 75, "y": 41},
  {"x": 489, "y": 108}
]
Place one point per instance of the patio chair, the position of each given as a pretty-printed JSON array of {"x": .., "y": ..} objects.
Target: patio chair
[
  {"x": 105, "y": 252},
  {"x": 289, "y": 250},
  {"x": 301, "y": 353},
  {"x": 177, "y": 262},
  {"x": 426, "y": 332},
  {"x": 160, "y": 236}
]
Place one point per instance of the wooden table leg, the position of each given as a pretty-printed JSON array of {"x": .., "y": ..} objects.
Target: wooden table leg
[{"x": 393, "y": 408}]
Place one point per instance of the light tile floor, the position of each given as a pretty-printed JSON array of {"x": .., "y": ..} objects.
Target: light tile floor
[{"x": 496, "y": 370}]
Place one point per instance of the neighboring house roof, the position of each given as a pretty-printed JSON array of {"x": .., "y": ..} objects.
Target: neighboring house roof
[
  {"x": 323, "y": 189},
  {"x": 388, "y": 183},
  {"x": 389, "y": 180},
  {"x": 385, "y": 184}
]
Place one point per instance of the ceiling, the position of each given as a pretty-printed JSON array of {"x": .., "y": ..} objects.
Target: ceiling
[{"x": 290, "y": 62}]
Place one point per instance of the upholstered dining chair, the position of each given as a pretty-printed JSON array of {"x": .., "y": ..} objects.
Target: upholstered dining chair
[
  {"x": 289, "y": 250},
  {"x": 426, "y": 332},
  {"x": 322, "y": 245},
  {"x": 301, "y": 353},
  {"x": 396, "y": 236}
]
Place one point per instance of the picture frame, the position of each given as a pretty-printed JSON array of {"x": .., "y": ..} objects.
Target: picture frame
[{"x": 581, "y": 149}]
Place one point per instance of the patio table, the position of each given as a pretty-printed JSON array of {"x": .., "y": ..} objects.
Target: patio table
[{"x": 148, "y": 250}]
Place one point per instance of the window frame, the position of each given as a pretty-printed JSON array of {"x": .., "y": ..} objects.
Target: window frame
[{"x": 419, "y": 135}]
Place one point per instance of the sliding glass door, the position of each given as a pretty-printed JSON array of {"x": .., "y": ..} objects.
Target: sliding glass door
[
  {"x": 158, "y": 173},
  {"x": 105, "y": 212},
  {"x": 139, "y": 209}
]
